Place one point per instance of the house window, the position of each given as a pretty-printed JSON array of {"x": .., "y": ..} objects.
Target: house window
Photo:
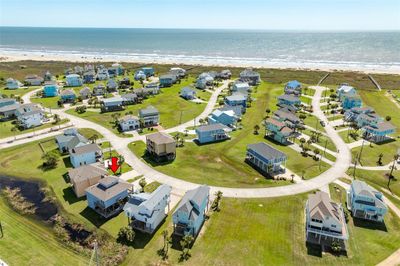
[{"x": 334, "y": 226}]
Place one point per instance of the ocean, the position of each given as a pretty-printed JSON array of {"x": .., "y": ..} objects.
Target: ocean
[{"x": 336, "y": 50}]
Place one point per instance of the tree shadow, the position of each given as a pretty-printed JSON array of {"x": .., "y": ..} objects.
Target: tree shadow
[
  {"x": 314, "y": 250},
  {"x": 67, "y": 162}
]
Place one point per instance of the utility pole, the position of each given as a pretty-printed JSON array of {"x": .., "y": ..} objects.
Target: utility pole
[
  {"x": 355, "y": 166},
  {"x": 359, "y": 155},
  {"x": 326, "y": 143}
]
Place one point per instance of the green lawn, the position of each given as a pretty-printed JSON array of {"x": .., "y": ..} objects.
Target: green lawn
[
  {"x": 20, "y": 92},
  {"x": 370, "y": 153},
  {"x": 6, "y": 126},
  {"x": 173, "y": 109},
  {"x": 347, "y": 137},
  {"x": 322, "y": 140},
  {"x": 222, "y": 164},
  {"x": 335, "y": 117},
  {"x": 27, "y": 242},
  {"x": 313, "y": 122},
  {"x": 88, "y": 132},
  {"x": 267, "y": 232},
  {"x": 48, "y": 102},
  {"x": 151, "y": 186},
  {"x": 15, "y": 162}
]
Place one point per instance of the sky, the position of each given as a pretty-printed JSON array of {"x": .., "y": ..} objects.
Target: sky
[{"x": 209, "y": 14}]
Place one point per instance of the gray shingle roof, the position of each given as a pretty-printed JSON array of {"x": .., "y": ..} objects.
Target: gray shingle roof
[
  {"x": 104, "y": 190},
  {"x": 149, "y": 110},
  {"x": 86, "y": 172},
  {"x": 191, "y": 197},
  {"x": 86, "y": 149},
  {"x": 266, "y": 151},
  {"x": 160, "y": 138},
  {"x": 211, "y": 127}
]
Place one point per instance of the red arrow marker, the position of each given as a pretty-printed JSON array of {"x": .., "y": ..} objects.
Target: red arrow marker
[{"x": 114, "y": 164}]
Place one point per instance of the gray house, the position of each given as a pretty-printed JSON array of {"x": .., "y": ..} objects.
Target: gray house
[
  {"x": 149, "y": 116},
  {"x": 250, "y": 76},
  {"x": 266, "y": 158}
]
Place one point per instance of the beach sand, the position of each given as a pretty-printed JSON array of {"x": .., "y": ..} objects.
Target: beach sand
[{"x": 7, "y": 56}]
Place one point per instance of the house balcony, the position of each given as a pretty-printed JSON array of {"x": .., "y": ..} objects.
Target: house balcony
[
  {"x": 141, "y": 226},
  {"x": 325, "y": 232},
  {"x": 109, "y": 211},
  {"x": 181, "y": 229}
]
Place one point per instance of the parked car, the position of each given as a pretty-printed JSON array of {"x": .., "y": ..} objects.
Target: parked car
[{"x": 322, "y": 123}]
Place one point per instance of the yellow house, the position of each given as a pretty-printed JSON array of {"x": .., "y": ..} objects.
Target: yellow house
[
  {"x": 161, "y": 146},
  {"x": 85, "y": 176}
]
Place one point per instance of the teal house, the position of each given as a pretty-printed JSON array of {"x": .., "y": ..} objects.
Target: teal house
[
  {"x": 50, "y": 90},
  {"x": 278, "y": 130},
  {"x": 73, "y": 80},
  {"x": 350, "y": 101},
  {"x": 190, "y": 214},
  {"x": 148, "y": 71},
  {"x": 108, "y": 197},
  {"x": 167, "y": 80},
  {"x": 366, "y": 202}
]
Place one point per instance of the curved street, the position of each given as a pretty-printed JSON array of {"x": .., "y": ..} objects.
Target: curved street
[{"x": 337, "y": 170}]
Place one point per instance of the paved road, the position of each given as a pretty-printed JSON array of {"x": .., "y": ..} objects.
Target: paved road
[{"x": 337, "y": 170}]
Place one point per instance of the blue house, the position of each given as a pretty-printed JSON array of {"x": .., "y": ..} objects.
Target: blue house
[
  {"x": 236, "y": 99},
  {"x": 190, "y": 213},
  {"x": 293, "y": 87},
  {"x": 50, "y": 90},
  {"x": 265, "y": 158},
  {"x": 148, "y": 71},
  {"x": 13, "y": 84},
  {"x": 365, "y": 202},
  {"x": 187, "y": 93},
  {"x": 67, "y": 96},
  {"x": 288, "y": 99},
  {"x": 379, "y": 132},
  {"x": 238, "y": 110},
  {"x": 89, "y": 76},
  {"x": 167, "y": 80},
  {"x": 74, "y": 80},
  {"x": 345, "y": 89},
  {"x": 350, "y": 101},
  {"x": 85, "y": 154},
  {"x": 147, "y": 210},
  {"x": 227, "y": 118},
  {"x": 108, "y": 197},
  {"x": 211, "y": 133},
  {"x": 139, "y": 75},
  {"x": 352, "y": 114}
]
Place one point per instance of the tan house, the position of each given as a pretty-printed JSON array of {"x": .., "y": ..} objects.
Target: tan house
[
  {"x": 161, "y": 146},
  {"x": 85, "y": 176}
]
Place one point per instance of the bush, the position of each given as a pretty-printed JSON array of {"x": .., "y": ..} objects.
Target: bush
[
  {"x": 50, "y": 159},
  {"x": 126, "y": 235}
]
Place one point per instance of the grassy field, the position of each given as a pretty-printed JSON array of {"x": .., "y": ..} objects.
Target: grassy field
[
  {"x": 163, "y": 102},
  {"x": 48, "y": 102},
  {"x": 20, "y": 92},
  {"x": 27, "y": 242},
  {"x": 216, "y": 162},
  {"x": 268, "y": 232},
  {"x": 322, "y": 140},
  {"x": 25, "y": 161},
  {"x": 6, "y": 126},
  {"x": 347, "y": 137}
]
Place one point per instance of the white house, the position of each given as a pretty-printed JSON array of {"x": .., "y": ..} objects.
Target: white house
[
  {"x": 129, "y": 122},
  {"x": 31, "y": 118},
  {"x": 146, "y": 211},
  {"x": 13, "y": 84}
]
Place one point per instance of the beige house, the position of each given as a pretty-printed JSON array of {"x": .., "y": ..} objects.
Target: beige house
[
  {"x": 161, "y": 146},
  {"x": 85, "y": 176}
]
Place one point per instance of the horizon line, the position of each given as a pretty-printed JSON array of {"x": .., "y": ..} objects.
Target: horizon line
[{"x": 232, "y": 29}]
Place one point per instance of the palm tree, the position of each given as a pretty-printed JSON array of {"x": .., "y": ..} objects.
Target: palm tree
[
  {"x": 94, "y": 138},
  {"x": 256, "y": 129},
  {"x": 167, "y": 241},
  {"x": 302, "y": 141},
  {"x": 392, "y": 168},
  {"x": 379, "y": 162}
]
